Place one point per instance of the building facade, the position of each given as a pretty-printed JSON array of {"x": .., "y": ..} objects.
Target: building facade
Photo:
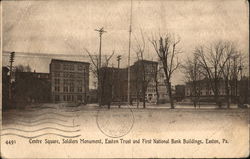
[
  {"x": 114, "y": 82},
  {"x": 5, "y": 87},
  {"x": 69, "y": 81},
  {"x": 31, "y": 87},
  {"x": 145, "y": 74},
  {"x": 238, "y": 90}
]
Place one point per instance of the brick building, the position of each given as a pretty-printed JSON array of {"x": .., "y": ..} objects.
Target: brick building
[
  {"x": 31, "y": 87},
  {"x": 69, "y": 81},
  {"x": 5, "y": 87},
  {"x": 114, "y": 82},
  {"x": 139, "y": 69},
  {"x": 238, "y": 90}
]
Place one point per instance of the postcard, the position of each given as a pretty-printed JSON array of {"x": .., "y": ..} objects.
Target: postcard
[{"x": 125, "y": 79}]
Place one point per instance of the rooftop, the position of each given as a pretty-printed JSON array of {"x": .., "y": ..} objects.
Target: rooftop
[{"x": 59, "y": 60}]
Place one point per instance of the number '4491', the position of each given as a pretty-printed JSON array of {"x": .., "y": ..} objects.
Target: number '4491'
[{"x": 10, "y": 142}]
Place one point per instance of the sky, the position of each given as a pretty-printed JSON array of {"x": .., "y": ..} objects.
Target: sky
[{"x": 67, "y": 27}]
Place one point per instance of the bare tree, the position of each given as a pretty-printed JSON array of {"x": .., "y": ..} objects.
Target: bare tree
[
  {"x": 156, "y": 81},
  {"x": 22, "y": 68},
  {"x": 96, "y": 72},
  {"x": 213, "y": 60},
  {"x": 228, "y": 70},
  {"x": 191, "y": 70},
  {"x": 166, "y": 49},
  {"x": 141, "y": 75}
]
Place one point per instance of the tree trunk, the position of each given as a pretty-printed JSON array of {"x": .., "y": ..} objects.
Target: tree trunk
[
  {"x": 157, "y": 93},
  {"x": 170, "y": 94},
  {"x": 144, "y": 94},
  {"x": 216, "y": 94},
  {"x": 227, "y": 93}
]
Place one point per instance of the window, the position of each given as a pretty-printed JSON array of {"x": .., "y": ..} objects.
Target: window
[
  {"x": 71, "y": 89},
  {"x": 71, "y": 75},
  {"x": 57, "y": 97},
  {"x": 80, "y": 67},
  {"x": 64, "y": 98},
  {"x": 68, "y": 97},
  {"x": 79, "y": 97},
  {"x": 65, "y": 89},
  {"x": 57, "y": 81},
  {"x": 65, "y": 67},
  {"x": 79, "y": 89},
  {"x": 57, "y": 89},
  {"x": 57, "y": 74},
  {"x": 57, "y": 66},
  {"x": 65, "y": 74},
  {"x": 65, "y": 82},
  {"x": 80, "y": 75},
  {"x": 79, "y": 82},
  {"x": 71, "y": 66}
]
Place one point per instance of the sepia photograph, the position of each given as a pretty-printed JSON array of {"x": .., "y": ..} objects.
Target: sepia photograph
[{"x": 125, "y": 79}]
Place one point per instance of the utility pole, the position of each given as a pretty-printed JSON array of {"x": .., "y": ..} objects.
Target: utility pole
[
  {"x": 118, "y": 60},
  {"x": 129, "y": 47},
  {"x": 101, "y": 31},
  {"x": 12, "y": 55}
]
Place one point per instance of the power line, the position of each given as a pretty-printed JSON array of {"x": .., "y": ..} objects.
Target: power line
[{"x": 6, "y": 53}]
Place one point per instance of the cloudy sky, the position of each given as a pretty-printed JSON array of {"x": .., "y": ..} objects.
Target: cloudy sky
[{"x": 67, "y": 27}]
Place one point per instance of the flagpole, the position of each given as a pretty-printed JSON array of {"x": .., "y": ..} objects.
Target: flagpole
[{"x": 129, "y": 48}]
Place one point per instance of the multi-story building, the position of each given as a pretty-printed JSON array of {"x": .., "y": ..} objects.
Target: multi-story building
[
  {"x": 114, "y": 82},
  {"x": 69, "y": 81},
  {"x": 31, "y": 87},
  {"x": 5, "y": 87},
  {"x": 237, "y": 90},
  {"x": 144, "y": 75}
]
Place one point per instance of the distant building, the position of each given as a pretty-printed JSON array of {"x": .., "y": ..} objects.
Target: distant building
[
  {"x": 179, "y": 94},
  {"x": 237, "y": 90},
  {"x": 69, "y": 81},
  {"x": 150, "y": 69},
  {"x": 5, "y": 87},
  {"x": 30, "y": 87},
  {"x": 114, "y": 82},
  {"x": 93, "y": 96}
]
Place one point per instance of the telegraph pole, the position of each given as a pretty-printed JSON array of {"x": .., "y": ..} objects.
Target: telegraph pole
[
  {"x": 12, "y": 55},
  {"x": 99, "y": 65},
  {"x": 129, "y": 47},
  {"x": 118, "y": 60},
  {"x": 101, "y": 31}
]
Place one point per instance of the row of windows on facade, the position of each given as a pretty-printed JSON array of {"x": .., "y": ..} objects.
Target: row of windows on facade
[
  {"x": 207, "y": 93},
  {"x": 151, "y": 90},
  {"x": 68, "y": 97},
  {"x": 69, "y": 74},
  {"x": 68, "y": 82},
  {"x": 68, "y": 89},
  {"x": 80, "y": 67}
]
